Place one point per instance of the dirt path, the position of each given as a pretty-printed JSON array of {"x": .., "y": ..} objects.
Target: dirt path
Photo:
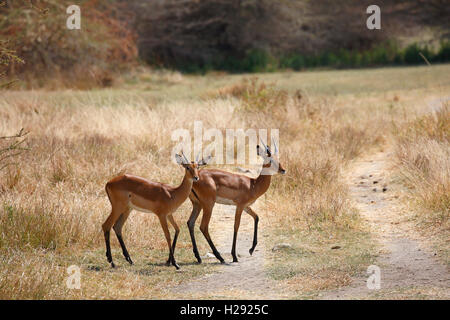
[
  {"x": 243, "y": 280},
  {"x": 409, "y": 269}
]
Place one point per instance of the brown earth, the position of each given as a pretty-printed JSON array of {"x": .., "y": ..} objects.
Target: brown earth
[{"x": 409, "y": 267}]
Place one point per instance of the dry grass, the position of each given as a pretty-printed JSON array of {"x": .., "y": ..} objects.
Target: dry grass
[
  {"x": 27, "y": 274},
  {"x": 423, "y": 158},
  {"x": 255, "y": 95},
  {"x": 53, "y": 203}
]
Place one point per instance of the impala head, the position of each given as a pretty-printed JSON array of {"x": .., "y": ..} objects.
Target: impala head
[
  {"x": 271, "y": 164},
  {"x": 191, "y": 167}
]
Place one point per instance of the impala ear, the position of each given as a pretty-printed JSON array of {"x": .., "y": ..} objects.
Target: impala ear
[
  {"x": 260, "y": 151},
  {"x": 205, "y": 161},
  {"x": 179, "y": 158},
  {"x": 185, "y": 160}
]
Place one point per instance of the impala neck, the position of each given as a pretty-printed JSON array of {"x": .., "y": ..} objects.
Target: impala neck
[
  {"x": 262, "y": 183},
  {"x": 182, "y": 191}
]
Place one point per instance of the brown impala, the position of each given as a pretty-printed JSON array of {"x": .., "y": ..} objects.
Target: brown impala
[
  {"x": 230, "y": 189},
  {"x": 129, "y": 192}
]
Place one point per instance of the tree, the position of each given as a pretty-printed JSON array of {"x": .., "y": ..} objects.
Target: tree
[
  {"x": 7, "y": 56},
  {"x": 186, "y": 31},
  {"x": 11, "y": 147}
]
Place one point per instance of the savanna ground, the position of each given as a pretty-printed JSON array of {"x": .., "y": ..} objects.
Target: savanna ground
[{"x": 332, "y": 124}]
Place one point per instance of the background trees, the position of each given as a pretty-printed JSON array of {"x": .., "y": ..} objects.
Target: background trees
[{"x": 233, "y": 35}]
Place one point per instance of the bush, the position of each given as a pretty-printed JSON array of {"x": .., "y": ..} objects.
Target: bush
[
  {"x": 48, "y": 47},
  {"x": 411, "y": 55},
  {"x": 381, "y": 55},
  {"x": 259, "y": 61},
  {"x": 443, "y": 54}
]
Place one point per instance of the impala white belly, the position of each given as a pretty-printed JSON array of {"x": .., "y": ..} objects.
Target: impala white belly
[
  {"x": 132, "y": 206},
  {"x": 225, "y": 201}
]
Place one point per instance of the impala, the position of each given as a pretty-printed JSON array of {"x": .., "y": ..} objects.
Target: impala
[
  {"x": 230, "y": 189},
  {"x": 129, "y": 192}
]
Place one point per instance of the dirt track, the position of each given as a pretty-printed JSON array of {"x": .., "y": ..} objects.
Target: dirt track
[
  {"x": 407, "y": 264},
  {"x": 243, "y": 280}
]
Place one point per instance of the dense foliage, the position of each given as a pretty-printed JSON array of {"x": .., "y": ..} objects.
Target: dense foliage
[{"x": 37, "y": 32}]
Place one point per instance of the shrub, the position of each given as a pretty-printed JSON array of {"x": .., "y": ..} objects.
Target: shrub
[
  {"x": 443, "y": 54},
  {"x": 381, "y": 55},
  {"x": 254, "y": 95},
  {"x": 411, "y": 55},
  {"x": 48, "y": 47},
  {"x": 259, "y": 61}
]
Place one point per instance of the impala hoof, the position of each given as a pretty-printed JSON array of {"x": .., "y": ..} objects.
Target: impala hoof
[
  {"x": 129, "y": 260},
  {"x": 113, "y": 265},
  {"x": 251, "y": 251},
  {"x": 197, "y": 256}
]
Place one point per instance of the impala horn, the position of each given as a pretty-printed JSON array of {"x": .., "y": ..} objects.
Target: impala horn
[
  {"x": 185, "y": 159},
  {"x": 265, "y": 146},
  {"x": 275, "y": 146}
]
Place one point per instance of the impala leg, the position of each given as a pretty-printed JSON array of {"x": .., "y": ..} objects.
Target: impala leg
[
  {"x": 255, "y": 232},
  {"x": 118, "y": 230},
  {"x": 191, "y": 224},
  {"x": 204, "y": 228},
  {"x": 165, "y": 227},
  {"x": 107, "y": 225},
  {"x": 177, "y": 231},
  {"x": 237, "y": 222},
  {"x": 108, "y": 249}
]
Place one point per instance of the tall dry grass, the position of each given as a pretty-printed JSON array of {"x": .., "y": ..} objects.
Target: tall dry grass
[
  {"x": 423, "y": 157},
  {"x": 53, "y": 203},
  {"x": 319, "y": 138},
  {"x": 30, "y": 274}
]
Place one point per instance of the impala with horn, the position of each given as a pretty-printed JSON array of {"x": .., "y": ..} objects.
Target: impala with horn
[
  {"x": 129, "y": 192},
  {"x": 217, "y": 186}
]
